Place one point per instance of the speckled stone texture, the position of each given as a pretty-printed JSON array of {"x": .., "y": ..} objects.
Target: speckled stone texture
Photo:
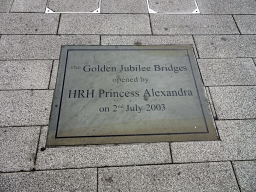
[
  {"x": 25, "y": 74},
  {"x": 18, "y": 148},
  {"x": 183, "y": 177},
  {"x": 25, "y": 107},
  {"x": 54, "y": 180},
  {"x": 224, "y": 72},
  {"x": 236, "y": 102},
  {"x": 246, "y": 23},
  {"x": 40, "y": 46},
  {"x": 102, "y": 155},
  {"x": 29, "y": 6},
  {"x": 22, "y": 23},
  {"x": 226, "y": 46},
  {"x": 193, "y": 24},
  {"x": 124, "y": 6},
  {"x": 104, "y": 24},
  {"x": 237, "y": 143},
  {"x": 71, "y": 6},
  {"x": 245, "y": 172},
  {"x": 5, "y": 5}
]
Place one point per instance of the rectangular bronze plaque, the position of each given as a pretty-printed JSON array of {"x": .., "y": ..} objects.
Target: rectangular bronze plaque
[{"x": 127, "y": 94}]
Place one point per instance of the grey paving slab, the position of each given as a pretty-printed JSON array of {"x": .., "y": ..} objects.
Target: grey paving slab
[
  {"x": 56, "y": 180},
  {"x": 246, "y": 23},
  {"x": 237, "y": 143},
  {"x": 54, "y": 74},
  {"x": 246, "y": 174},
  {"x": 40, "y": 46},
  {"x": 28, "y": 23},
  {"x": 25, "y": 74},
  {"x": 148, "y": 40},
  {"x": 177, "y": 177},
  {"x": 18, "y": 148},
  {"x": 193, "y": 24},
  {"x": 227, "y": 6},
  {"x": 100, "y": 155},
  {"x": 124, "y": 6},
  {"x": 239, "y": 71},
  {"x": 29, "y": 6},
  {"x": 104, "y": 24},
  {"x": 73, "y": 6},
  {"x": 226, "y": 46},
  {"x": 5, "y": 5},
  {"x": 174, "y": 6},
  {"x": 29, "y": 107},
  {"x": 237, "y": 102}
]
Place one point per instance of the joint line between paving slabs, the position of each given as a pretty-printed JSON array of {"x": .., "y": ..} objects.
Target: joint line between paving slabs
[
  {"x": 100, "y": 39},
  {"x": 3, "y": 127},
  {"x": 195, "y": 47},
  {"x": 150, "y": 24},
  {"x": 170, "y": 151},
  {"x": 40, "y": 131},
  {"x": 58, "y": 24},
  {"x": 235, "y": 176},
  {"x": 50, "y": 79},
  {"x": 236, "y": 24},
  {"x": 9, "y": 11},
  {"x": 129, "y": 165},
  {"x": 24, "y": 89},
  {"x": 210, "y": 97}
]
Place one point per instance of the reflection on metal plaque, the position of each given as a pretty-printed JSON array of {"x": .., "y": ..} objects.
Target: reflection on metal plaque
[
  {"x": 125, "y": 94},
  {"x": 173, "y": 6},
  {"x": 71, "y": 6}
]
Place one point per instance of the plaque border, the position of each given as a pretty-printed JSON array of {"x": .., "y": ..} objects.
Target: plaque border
[{"x": 54, "y": 140}]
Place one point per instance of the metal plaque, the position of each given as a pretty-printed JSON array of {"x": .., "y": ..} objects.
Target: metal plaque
[{"x": 128, "y": 94}]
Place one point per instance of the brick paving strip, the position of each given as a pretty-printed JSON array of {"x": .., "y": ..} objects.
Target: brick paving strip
[{"x": 224, "y": 39}]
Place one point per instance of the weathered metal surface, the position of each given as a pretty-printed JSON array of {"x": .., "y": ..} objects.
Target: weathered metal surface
[{"x": 127, "y": 94}]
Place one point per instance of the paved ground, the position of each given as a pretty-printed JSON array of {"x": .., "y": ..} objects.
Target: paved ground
[{"x": 224, "y": 37}]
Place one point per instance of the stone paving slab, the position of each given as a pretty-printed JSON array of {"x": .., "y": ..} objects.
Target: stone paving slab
[
  {"x": 100, "y": 155},
  {"x": 5, "y": 5},
  {"x": 18, "y": 148},
  {"x": 246, "y": 174},
  {"x": 148, "y": 40},
  {"x": 227, "y": 6},
  {"x": 246, "y": 23},
  {"x": 32, "y": 23},
  {"x": 237, "y": 143},
  {"x": 29, "y": 6},
  {"x": 219, "y": 72},
  {"x": 27, "y": 107},
  {"x": 104, "y": 24},
  {"x": 173, "y": 7},
  {"x": 25, "y": 74},
  {"x": 193, "y": 24},
  {"x": 124, "y": 6},
  {"x": 184, "y": 177},
  {"x": 40, "y": 46},
  {"x": 226, "y": 46},
  {"x": 234, "y": 102},
  {"x": 56, "y": 180},
  {"x": 73, "y": 6}
]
